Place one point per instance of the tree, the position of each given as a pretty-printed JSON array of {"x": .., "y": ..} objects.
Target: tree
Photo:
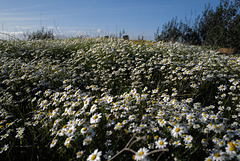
[
  {"x": 216, "y": 28},
  {"x": 170, "y": 31}
]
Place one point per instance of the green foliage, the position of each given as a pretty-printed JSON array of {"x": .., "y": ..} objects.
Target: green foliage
[
  {"x": 41, "y": 35},
  {"x": 216, "y": 28},
  {"x": 222, "y": 26},
  {"x": 171, "y": 31}
]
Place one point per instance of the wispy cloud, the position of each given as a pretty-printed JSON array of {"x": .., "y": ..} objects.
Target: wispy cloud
[
  {"x": 23, "y": 8},
  {"x": 32, "y": 18}
]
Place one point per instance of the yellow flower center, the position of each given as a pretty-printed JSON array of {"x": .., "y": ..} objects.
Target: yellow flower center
[
  {"x": 216, "y": 155},
  {"x": 141, "y": 153},
  {"x": 93, "y": 157},
  {"x": 133, "y": 157},
  {"x": 177, "y": 130},
  {"x": 95, "y": 117},
  {"x": 161, "y": 143}
]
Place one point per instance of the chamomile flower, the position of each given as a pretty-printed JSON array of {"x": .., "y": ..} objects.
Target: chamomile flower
[
  {"x": 209, "y": 158},
  {"x": 95, "y": 156},
  {"x": 20, "y": 131},
  {"x": 87, "y": 140},
  {"x": 235, "y": 83},
  {"x": 132, "y": 117},
  {"x": 194, "y": 85},
  {"x": 177, "y": 131},
  {"x": 151, "y": 146},
  {"x": 53, "y": 143},
  {"x": 118, "y": 126},
  {"x": 108, "y": 154},
  {"x": 232, "y": 88},
  {"x": 204, "y": 142},
  {"x": 176, "y": 143},
  {"x": 188, "y": 139},
  {"x": 96, "y": 118},
  {"x": 84, "y": 130},
  {"x": 109, "y": 132},
  {"x": 161, "y": 122},
  {"x": 141, "y": 154},
  {"x": 108, "y": 142},
  {"x": 5, "y": 148},
  {"x": 161, "y": 143},
  {"x": 222, "y": 87},
  {"x": 231, "y": 149},
  {"x": 67, "y": 141},
  {"x": 79, "y": 154},
  {"x": 189, "y": 100},
  {"x": 188, "y": 145},
  {"x": 190, "y": 117},
  {"x": 93, "y": 108},
  {"x": 217, "y": 156},
  {"x": 4, "y": 136}
]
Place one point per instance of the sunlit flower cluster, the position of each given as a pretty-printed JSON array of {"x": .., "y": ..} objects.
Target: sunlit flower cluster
[{"x": 87, "y": 98}]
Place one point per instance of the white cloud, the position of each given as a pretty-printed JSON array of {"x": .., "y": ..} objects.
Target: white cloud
[{"x": 11, "y": 35}]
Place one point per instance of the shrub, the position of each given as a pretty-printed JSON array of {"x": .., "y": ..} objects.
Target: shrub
[
  {"x": 216, "y": 28},
  {"x": 41, "y": 35}
]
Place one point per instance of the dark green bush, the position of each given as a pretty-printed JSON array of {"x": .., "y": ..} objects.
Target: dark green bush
[
  {"x": 216, "y": 28},
  {"x": 41, "y": 35}
]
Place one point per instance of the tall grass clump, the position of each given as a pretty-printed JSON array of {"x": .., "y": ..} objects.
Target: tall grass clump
[{"x": 110, "y": 99}]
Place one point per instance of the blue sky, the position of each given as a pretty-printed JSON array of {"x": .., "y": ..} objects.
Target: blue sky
[{"x": 96, "y": 17}]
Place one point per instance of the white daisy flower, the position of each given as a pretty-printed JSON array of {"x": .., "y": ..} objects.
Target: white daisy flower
[
  {"x": 53, "y": 143},
  {"x": 87, "y": 140},
  {"x": 188, "y": 139},
  {"x": 218, "y": 157},
  {"x": 79, "y": 154},
  {"x": 161, "y": 143},
  {"x": 141, "y": 154},
  {"x": 5, "y": 148},
  {"x": 95, "y": 118},
  {"x": 222, "y": 87},
  {"x": 177, "y": 131},
  {"x": 231, "y": 149},
  {"x": 108, "y": 154},
  {"x": 95, "y": 156},
  {"x": 93, "y": 108},
  {"x": 176, "y": 143}
]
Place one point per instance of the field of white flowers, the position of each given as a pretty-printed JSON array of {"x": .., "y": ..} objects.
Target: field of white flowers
[{"x": 110, "y": 99}]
